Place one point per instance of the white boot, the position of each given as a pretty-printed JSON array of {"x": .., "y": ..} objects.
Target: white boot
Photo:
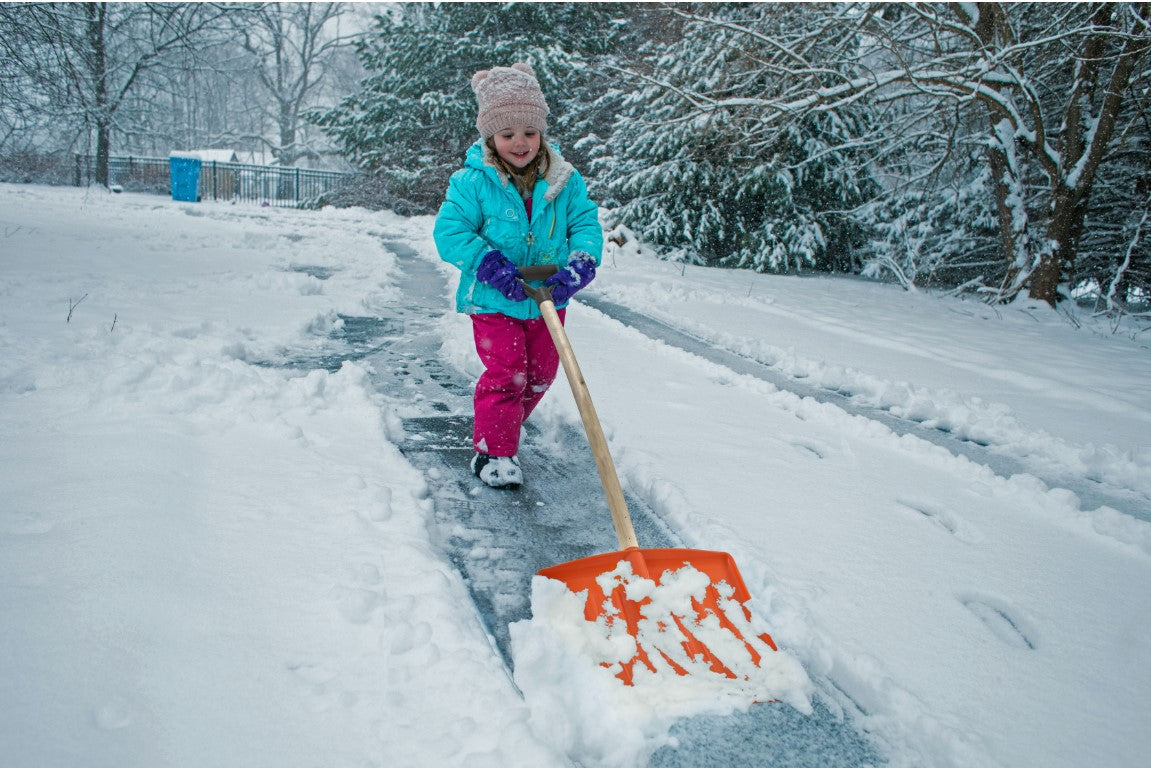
[{"x": 498, "y": 471}]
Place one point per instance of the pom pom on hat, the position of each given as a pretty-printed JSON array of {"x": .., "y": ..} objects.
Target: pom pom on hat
[{"x": 509, "y": 96}]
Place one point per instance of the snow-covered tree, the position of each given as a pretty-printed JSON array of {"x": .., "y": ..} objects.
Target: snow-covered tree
[
  {"x": 704, "y": 182},
  {"x": 1114, "y": 256},
  {"x": 146, "y": 78},
  {"x": 289, "y": 47},
  {"x": 414, "y": 115},
  {"x": 81, "y": 63},
  {"x": 1047, "y": 92}
]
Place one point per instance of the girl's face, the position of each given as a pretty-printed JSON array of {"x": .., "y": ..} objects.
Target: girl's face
[{"x": 518, "y": 145}]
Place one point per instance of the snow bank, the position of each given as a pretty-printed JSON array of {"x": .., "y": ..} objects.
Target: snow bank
[{"x": 206, "y": 559}]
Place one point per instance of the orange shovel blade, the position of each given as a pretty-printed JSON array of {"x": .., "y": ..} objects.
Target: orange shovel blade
[{"x": 711, "y": 609}]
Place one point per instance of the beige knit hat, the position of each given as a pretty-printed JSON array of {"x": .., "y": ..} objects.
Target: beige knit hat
[{"x": 509, "y": 96}]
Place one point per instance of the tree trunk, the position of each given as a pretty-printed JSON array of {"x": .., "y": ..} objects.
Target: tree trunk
[
  {"x": 1081, "y": 160},
  {"x": 288, "y": 153},
  {"x": 998, "y": 163},
  {"x": 98, "y": 71},
  {"x": 1010, "y": 213},
  {"x": 103, "y": 151},
  {"x": 1058, "y": 257}
]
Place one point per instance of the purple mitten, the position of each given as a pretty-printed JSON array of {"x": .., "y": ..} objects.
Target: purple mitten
[
  {"x": 579, "y": 272},
  {"x": 497, "y": 271}
]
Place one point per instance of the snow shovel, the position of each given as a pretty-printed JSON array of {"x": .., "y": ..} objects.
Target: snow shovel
[{"x": 715, "y": 611}]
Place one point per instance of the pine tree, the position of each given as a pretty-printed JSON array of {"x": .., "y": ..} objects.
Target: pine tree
[
  {"x": 702, "y": 184},
  {"x": 414, "y": 116}
]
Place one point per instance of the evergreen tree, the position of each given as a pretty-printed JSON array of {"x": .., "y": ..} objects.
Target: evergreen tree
[
  {"x": 700, "y": 183},
  {"x": 413, "y": 119}
]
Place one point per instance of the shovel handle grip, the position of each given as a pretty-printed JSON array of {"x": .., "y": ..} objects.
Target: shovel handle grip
[
  {"x": 539, "y": 271},
  {"x": 595, "y": 437}
]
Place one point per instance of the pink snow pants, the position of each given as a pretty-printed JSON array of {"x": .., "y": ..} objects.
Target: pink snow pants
[{"x": 520, "y": 363}]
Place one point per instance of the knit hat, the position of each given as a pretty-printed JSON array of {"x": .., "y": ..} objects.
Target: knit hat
[{"x": 509, "y": 96}]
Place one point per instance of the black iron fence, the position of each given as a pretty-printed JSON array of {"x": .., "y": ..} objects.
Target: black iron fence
[{"x": 229, "y": 182}]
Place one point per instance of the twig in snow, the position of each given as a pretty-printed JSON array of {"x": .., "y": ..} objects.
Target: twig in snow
[
  {"x": 114, "y": 318},
  {"x": 72, "y": 306}
]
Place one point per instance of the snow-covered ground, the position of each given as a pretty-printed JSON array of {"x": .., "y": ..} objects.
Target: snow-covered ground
[{"x": 206, "y": 561}]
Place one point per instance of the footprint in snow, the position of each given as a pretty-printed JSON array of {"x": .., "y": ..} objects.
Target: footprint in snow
[
  {"x": 1004, "y": 621},
  {"x": 811, "y": 448},
  {"x": 944, "y": 518}
]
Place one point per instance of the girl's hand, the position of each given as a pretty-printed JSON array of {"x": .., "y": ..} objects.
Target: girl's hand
[
  {"x": 579, "y": 272},
  {"x": 497, "y": 271}
]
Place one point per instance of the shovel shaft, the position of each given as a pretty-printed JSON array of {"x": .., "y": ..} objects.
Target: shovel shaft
[{"x": 595, "y": 437}]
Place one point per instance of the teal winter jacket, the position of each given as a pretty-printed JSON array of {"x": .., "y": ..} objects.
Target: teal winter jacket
[{"x": 483, "y": 211}]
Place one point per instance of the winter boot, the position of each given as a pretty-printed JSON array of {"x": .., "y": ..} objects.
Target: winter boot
[{"x": 498, "y": 471}]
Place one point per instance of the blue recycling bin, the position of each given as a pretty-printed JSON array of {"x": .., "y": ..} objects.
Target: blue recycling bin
[{"x": 185, "y": 175}]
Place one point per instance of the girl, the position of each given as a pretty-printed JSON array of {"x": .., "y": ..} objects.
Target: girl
[{"x": 516, "y": 203}]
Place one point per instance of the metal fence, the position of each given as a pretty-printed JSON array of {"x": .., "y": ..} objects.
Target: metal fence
[{"x": 229, "y": 182}]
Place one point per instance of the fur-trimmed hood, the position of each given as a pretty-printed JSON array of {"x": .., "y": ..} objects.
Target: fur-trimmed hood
[{"x": 481, "y": 157}]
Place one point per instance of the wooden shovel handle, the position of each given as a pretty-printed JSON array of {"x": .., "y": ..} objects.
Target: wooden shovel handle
[{"x": 595, "y": 437}]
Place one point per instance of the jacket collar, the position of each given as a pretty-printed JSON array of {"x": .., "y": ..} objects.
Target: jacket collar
[{"x": 559, "y": 170}]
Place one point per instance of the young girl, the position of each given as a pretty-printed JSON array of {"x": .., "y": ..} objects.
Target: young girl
[{"x": 516, "y": 203}]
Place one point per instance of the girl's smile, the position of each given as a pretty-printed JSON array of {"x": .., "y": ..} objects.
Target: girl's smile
[{"x": 518, "y": 145}]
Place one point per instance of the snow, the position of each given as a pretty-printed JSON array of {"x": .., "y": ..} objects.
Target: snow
[
  {"x": 558, "y": 667},
  {"x": 205, "y": 560},
  {"x": 207, "y": 155}
]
